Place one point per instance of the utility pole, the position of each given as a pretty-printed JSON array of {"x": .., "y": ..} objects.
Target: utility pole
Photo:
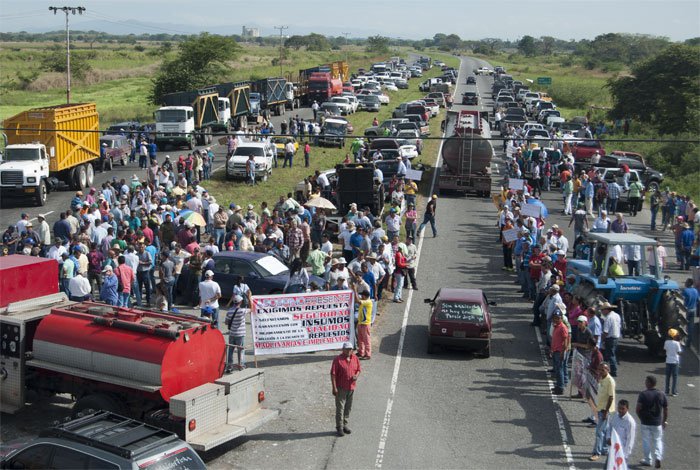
[
  {"x": 346, "y": 45},
  {"x": 66, "y": 10},
  {"x": 281, "y": 28}
]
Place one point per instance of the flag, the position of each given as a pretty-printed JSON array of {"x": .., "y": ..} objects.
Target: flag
[{"x": 616, "y": 454}]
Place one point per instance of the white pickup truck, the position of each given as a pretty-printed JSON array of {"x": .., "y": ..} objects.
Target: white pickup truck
[{"x": 263, "y": 153}]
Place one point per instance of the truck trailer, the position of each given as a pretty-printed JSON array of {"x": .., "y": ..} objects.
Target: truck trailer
[
  {"x": 237, "y": 96},
  {"x": 271, "y": 97},
  {"x": 187, "y": 118},
  {"x": 49, "y": 146},
  {"x": 466, "y": 154},
  {"x": 160, "y": 368}
]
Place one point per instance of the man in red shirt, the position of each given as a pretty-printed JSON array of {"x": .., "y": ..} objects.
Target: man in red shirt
[
  {"x": 344, "y": 373},
  {"x": 560, "y": 338},
  {"x": 126, "y": 278}
]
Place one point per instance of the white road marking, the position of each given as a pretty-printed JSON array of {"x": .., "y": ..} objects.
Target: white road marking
[
  {"x": 399, "y": 352},
  {"x": 557, "y": 408},
  {"x": 45, "y": 214}
]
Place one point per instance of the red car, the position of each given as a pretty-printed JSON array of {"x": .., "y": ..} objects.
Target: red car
[
  {"x": 460, "y": 318},
  {"x": 584, "y": 149}
]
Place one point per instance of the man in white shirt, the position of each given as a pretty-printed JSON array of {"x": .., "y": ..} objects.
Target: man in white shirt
[
  {"x": 633, "y": 256},
  {"x": 326, "y": 244},
  {"x": 661, "y": 255},
  {"x": 43, "y": 231},
  {"x": 209, "y": 295},
  {"x": 79, "y": 288},
  {"x": 624, "y": 425},
  {"x": 57, "y": 250},
  {"x": 601, "y": 223},
  {"x": 612, "y": 324}
]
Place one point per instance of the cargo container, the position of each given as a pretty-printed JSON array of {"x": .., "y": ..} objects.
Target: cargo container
[
  {"x": 237, "y": 96},
  {"x": 271, "y": 97},
  {"x": 49, "y": 146},
  {"x": 187, "y": 118}
]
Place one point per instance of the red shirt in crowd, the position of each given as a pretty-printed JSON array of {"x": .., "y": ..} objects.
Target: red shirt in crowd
[
  {"x": 560, "y": 333},
  {"x": 126, "y": 277},
  {"x": 343, "y": 369}
]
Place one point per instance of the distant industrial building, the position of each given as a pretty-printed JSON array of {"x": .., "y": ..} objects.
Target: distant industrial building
[{"x": 250, "y": 32}]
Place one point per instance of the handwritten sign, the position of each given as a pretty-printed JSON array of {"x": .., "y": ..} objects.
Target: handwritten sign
[
  {"x": 516, "y": 184},
  {"x": 510, "y": 235},
  {"x": 414, "y": 175},
  {"x": 460, "y": 311},
  {"x": 531, "y": 210}
]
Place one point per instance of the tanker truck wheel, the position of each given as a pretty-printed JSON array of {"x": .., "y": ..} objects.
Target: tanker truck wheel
[{"x": 99, "y": 401}]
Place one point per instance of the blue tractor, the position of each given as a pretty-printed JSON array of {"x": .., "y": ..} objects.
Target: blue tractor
[{"x": 648, "y": 304}]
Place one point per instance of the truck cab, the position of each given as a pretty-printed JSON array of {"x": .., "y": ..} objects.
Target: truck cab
[
  {"x": 224, "y": 115},
  {"x": 255, "y": 102},
  {"x": 24, "y": 169},
  {"x": 175, "y": 126},
  {"x": 291, "y": 93}
]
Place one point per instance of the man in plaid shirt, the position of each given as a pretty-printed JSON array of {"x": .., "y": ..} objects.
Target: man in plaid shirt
[{"x": 614, "y": 191}]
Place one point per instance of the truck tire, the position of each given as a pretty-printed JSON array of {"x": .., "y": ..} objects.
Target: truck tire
[
  {"x": 89, "y": 174},
  {"x": 80, "y": 177},
  {"x": 99, "y": 401},
  {"x": 265, "y": 176},
  {"x": 190, "y": 143},
  {"x": 41, "y": 194}
]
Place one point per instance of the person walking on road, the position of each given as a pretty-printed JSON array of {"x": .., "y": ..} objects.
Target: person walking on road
[
  {"x": 560, "y": 341},
  {"x": 344, "y": 373},
  {"x": 624, "y": 425},
  {"x": 429, "y": 216},
  {"x": 652, "y": 409},
  {"x": 364, "y": 324},
  {"x": 605, "y": 406}
]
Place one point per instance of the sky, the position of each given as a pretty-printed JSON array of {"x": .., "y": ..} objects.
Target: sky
[{"x": 407, "y": 19}]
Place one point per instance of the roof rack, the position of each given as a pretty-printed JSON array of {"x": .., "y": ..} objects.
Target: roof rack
[{"x": 112, "y": 433}]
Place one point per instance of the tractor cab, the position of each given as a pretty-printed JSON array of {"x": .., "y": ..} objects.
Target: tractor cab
[{"x": 649, "y": 303}]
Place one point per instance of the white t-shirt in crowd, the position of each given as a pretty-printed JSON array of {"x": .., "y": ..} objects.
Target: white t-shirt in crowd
[
  {"x": 673, "y": 351},
  {"x": 207, "y": 290}
]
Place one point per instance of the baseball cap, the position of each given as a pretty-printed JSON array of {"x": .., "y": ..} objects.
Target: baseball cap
[
  {"x": 347, "y": 345},
  {"x": 237, "y": 299},
  {"x": 107, "y": 268},
  {"x": 209, "y": 273},
  {"x": 582, "y": 318}
]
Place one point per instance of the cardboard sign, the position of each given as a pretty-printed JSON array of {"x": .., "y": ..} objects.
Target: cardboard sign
[
  {"x": 510, "y": 235},
  {"x": 414, "y": 175},
  {"x": 531, "y": 210},
  {"x": 296, "y": 323},
  {"x": 516, "y": 184}
]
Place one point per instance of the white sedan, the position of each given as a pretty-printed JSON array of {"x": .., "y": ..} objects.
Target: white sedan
[
  {"x": 409, "y": 151},
  {"x": 389, "y": 85}
]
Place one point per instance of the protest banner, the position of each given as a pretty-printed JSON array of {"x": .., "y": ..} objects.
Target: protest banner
[
  {"x": 415, "y": 175},
  {"x": 616, "y": 455},
  {"x": 296, "y": 323},
  {"x": 530, "y": 210},
  {"x": 578, "y": 371},
  {"x": 516, "y": 184},
  {"x": 510, "y": 235}
]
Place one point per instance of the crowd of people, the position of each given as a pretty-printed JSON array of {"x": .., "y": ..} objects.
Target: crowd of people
[
  {"x": 127, "y": 243},
  {"x": 537, "y": 254}
]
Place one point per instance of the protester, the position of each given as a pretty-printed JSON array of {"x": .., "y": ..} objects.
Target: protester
[
  {"x": 235, "y": 322},
  {"x": 673, "y": 349},
  {"x": 652, "y": 409},
  {"x": 624, "y": 425},
  {"x": 345, "y": 371},
  {"x": 605, "y": 406}
]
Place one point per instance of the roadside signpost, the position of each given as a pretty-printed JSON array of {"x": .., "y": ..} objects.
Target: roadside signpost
[{"x": 544, "y": 80}]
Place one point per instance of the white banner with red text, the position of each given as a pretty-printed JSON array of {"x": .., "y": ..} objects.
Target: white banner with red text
[{"x": 297, "y": 323}]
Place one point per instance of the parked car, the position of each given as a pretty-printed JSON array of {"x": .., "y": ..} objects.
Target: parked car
[
  {"x": 437, "y": 96},
  {"x": 118, "y": 149},
  {"x": 410, "y": 137},
  {"x": 537, "y": 135},
  {"x": 331, "y": 109},
  {"x": 460, "y": 318},
  {"x": 263, "y": 273},
  {"x": 101, "y": 440},
  {"x": 651, "y": 179},
  {"x": 343, "y": 103},
  {"x": 263, "y": 154},
  {"x": 281, "y": 141},
  {"x": 333, "y": 132},
  {"x": 378, "y": 131},
  {"x": 615, "y": 174},
  {"x": 583, "y": 149},
  {"x": 368, "y": 102}
]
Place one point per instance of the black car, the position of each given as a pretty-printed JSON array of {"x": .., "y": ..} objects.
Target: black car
[
  {"x": 471, "y": 80},
  {"x": 651, "y": 179},
  {"x": 470, "y": 98},
  {"x": 263, "y": 273}
]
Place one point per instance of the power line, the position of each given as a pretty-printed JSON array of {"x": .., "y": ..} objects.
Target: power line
[{"x": 67, "y": 10}]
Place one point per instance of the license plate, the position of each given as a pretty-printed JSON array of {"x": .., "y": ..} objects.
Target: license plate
[{"x": 459, "y": 334}]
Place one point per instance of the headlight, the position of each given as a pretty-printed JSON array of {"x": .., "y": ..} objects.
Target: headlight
[{"x": 31, "y": 179}]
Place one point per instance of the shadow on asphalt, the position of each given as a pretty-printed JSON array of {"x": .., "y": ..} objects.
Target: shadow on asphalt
[{"x": 271, "y": 437}]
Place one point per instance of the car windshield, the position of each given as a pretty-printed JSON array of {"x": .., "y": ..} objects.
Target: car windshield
[
  {"x": 246, "y": 151},
  {"x": 460, "y": 311},
  {"x": 171, "y": 115}
]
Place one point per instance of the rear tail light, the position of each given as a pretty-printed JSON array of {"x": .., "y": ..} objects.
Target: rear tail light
[
  {"x": 261, "y": 396},
  {"x": 192, "y": 425}
]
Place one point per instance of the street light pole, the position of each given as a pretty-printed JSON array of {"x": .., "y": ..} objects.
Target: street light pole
[
  {"x": 346, "y": 46},
  {"x": 281, "y": 28},
  {"x": 66, "y": 10}
]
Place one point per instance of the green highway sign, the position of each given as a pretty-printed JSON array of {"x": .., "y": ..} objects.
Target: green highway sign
[{"x": 544, "y": 80}]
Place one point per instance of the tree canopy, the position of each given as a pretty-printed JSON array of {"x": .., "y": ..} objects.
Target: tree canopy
[
  {"x": 377, "y": 44},
  {"x": 661, "y": 91},
  {"x": 201, "y": 60}
]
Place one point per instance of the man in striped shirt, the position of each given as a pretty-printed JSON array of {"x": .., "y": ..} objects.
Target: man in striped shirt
[
  {"x": 235, "y": 321},
  {"x": 614, "y": 191}
]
